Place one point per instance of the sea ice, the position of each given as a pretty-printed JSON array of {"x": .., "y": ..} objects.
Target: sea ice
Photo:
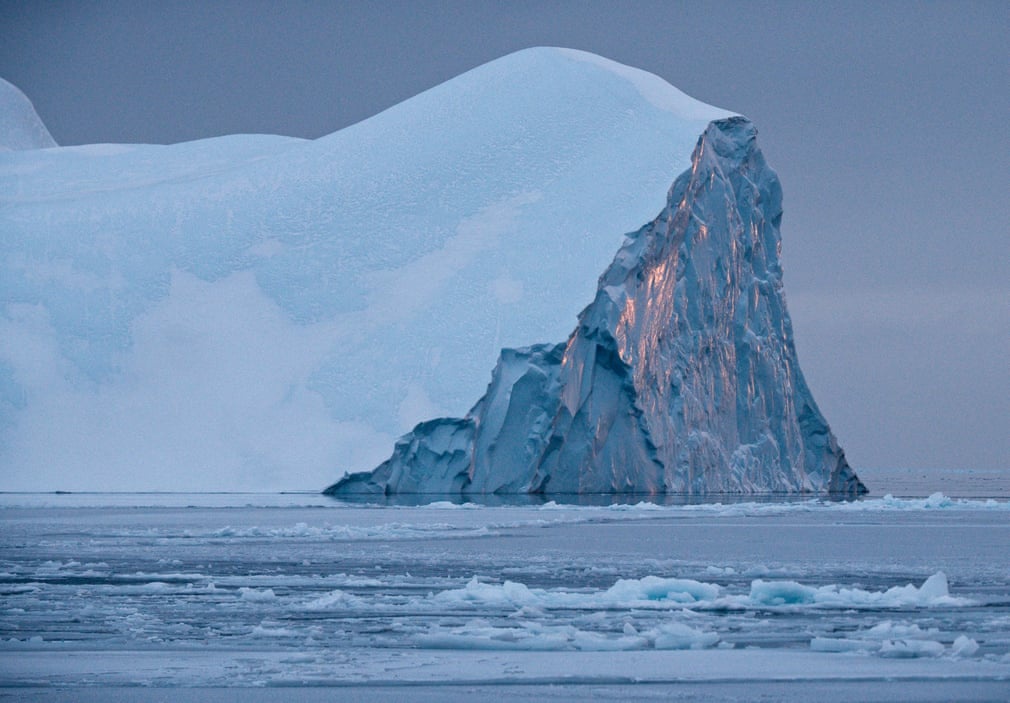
[{"x": 110, "y": 596}]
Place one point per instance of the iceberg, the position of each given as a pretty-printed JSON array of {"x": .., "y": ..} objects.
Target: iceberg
[
  {"x": 260, "y": 312},
  {"x": 680, "y": 377},
  {"x": 21, "y": 128}
]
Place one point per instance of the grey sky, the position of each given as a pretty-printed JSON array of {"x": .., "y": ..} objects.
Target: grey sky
[{"x": 886, "y": 121}]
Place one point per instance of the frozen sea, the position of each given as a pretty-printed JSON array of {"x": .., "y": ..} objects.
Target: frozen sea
[{"x": 904, "y": 595}]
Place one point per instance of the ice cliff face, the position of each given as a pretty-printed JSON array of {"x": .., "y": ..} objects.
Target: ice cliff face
[
  {"x": 20, "y": 126},
  {"x": 681, "y": 376}
]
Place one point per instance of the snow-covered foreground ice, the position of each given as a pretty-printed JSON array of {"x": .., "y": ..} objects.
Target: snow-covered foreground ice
[{"x": 295, "y": 591}]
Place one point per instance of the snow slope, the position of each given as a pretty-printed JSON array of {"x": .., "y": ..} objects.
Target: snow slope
[{"x": 261, "y": 312}]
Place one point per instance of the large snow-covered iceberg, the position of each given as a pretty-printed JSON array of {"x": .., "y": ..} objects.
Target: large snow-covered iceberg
[
  {"x": 680, "y": 377},
  {"x": 259, "y": 312}
]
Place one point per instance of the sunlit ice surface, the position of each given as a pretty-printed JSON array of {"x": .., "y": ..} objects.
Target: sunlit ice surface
[{"x": 894, "y": 595}]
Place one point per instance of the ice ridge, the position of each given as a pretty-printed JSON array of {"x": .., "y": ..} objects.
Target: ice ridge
[{"x": 680, "y": 377}]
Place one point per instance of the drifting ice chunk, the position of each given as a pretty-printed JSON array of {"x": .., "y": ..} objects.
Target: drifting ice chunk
[
  {"x": 933, "y": 592},
  {"x": 907, "y": 649},
  {"x": 964, "y": 647},
  {"x": 679, "y": 636},
  {"x": 935, "y": 587},
  {"x": 255, "y": 595}
]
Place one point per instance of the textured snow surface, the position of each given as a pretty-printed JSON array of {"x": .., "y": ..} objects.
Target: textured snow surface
[
  {"x": 264, "y": 312},
  {"x": 338, "y": 595},
  {"x": 680, "y": 377},
  {"x": 20, "y": 126}
]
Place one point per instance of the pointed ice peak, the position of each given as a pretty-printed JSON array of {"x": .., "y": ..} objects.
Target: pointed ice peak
[{"x": 20, "y": 126}]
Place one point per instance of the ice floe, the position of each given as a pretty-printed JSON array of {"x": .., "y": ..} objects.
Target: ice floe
[
  {"x": 537, "y": 637},
  {"x": 675, "y": 593}
]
